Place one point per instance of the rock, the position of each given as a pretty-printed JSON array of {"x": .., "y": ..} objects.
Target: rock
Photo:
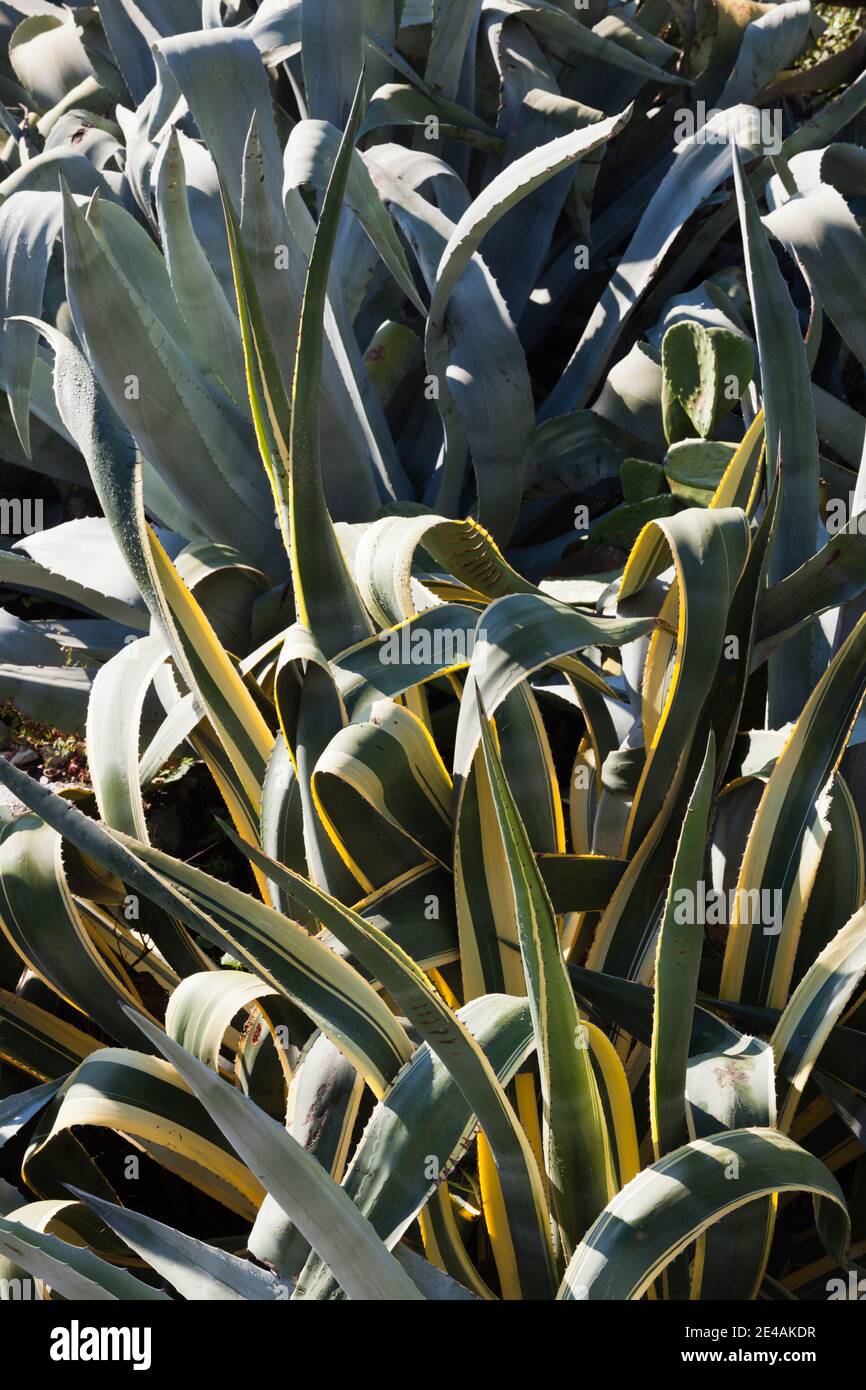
[
  {"x": 10, "y": 806},
  {"x": 25, "y": 757}
]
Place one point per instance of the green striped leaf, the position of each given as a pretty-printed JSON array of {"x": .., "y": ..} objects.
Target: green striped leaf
[
  {"x": 328, "y": 1218},
  {"x": 667, "y": 1206},
  {"x": 450, "y": 1040},
  {"x": 575, "y": 1139}
]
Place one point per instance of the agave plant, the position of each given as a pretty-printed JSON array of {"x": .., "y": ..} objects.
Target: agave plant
[{"x": 463, "y": 400}]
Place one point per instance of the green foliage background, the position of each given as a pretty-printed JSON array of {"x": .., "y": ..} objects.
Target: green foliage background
[{"x": 433, "y": 649}]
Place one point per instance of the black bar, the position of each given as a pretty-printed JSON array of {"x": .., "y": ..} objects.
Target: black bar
[{"x": 146, "y": 1339}]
